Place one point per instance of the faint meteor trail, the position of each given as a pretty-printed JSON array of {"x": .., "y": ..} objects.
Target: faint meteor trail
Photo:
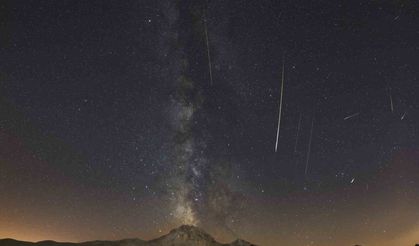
[
  {"x": 298, "y": 133},
  {"x": 351, "y": 116},
  {"x": 391, "y": 99},
  {"x": 309, "y": 146},
  {"x": 404, "y": 115},
  {"x": 208, "y": 48},
  {"x": 280, "y": 106}
]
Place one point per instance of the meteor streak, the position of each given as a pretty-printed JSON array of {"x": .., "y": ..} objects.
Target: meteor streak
[
  {"x": 391, "y": 99},
  {"x": 309, "y": 146},
  {"x": 351, "y": 116},
  {"x": 208, "y": 49},
  {"x": 298, "y": 133},
  {"x": 280, "y": 107}
]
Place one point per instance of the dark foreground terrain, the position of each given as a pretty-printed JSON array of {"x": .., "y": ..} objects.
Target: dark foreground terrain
[{"x": 182, "y": 236}]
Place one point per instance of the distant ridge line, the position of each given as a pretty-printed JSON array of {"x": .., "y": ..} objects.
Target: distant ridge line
[{"x": 185, "y": 235}]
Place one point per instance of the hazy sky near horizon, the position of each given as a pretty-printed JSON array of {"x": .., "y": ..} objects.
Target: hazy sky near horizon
[{"x": 123, "y": 119}]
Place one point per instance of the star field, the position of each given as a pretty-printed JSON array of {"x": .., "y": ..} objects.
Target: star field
[{"x": 126, "y": 119}]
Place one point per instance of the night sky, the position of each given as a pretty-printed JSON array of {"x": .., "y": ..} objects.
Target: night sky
[{"x": 113, "y": 126}]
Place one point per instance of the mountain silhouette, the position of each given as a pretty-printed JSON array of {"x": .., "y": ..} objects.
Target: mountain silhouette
[{"x": 185, "y": 235}]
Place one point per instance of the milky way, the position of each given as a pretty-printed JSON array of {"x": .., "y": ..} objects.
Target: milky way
[{"x": 194, "y": 180}]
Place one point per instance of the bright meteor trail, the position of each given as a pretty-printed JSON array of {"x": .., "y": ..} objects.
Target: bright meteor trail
[
  {"x": 391, "y": 99},
  {"x": 280, "y": 107}
]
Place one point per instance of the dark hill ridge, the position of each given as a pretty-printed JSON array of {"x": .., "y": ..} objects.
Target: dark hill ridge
[
  {"x": 184, "y": 235},
  {"x": 125, "y": 242}
]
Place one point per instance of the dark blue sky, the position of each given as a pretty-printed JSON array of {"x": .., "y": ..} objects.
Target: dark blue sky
[{"x": 109, "y": 104}]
